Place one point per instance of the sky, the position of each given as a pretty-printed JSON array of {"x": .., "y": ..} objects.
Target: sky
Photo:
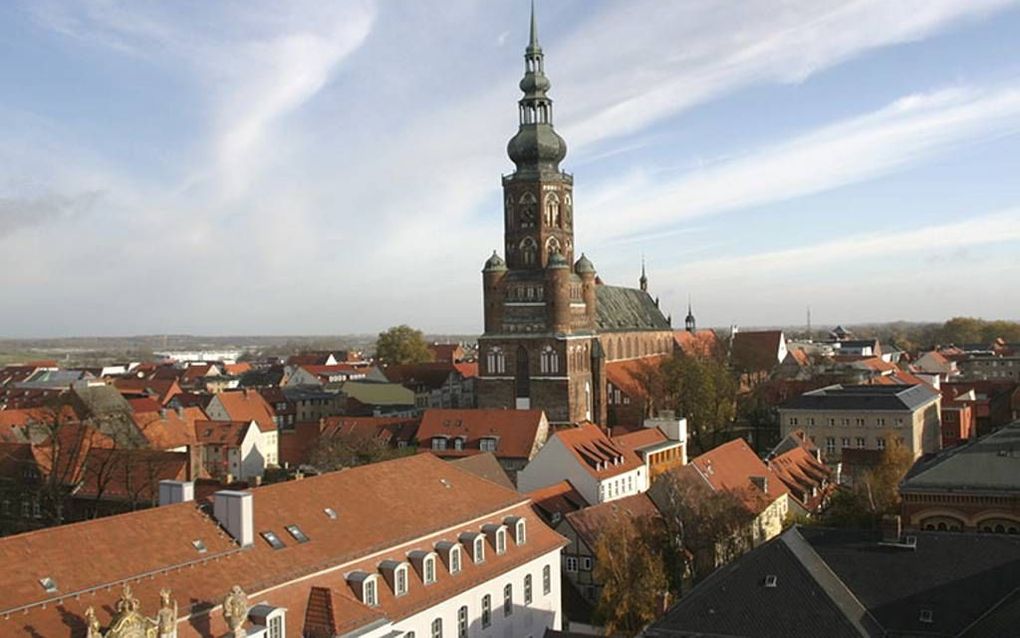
[{"x": 330, "y": 167}]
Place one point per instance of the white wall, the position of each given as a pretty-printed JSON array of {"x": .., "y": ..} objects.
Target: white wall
[
  {"x": 555, "y": 463},
  {"x": 532, "y": 620}
]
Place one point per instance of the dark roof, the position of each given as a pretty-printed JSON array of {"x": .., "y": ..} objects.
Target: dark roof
[
  {"x": 734, "y": 601},
  {"x": 627, "y": 309},
  {"x": 756, "y": 351},
  {"x": 991, "y": 462},
  {"x": 865, "y": 397},
  {"x": 836, "y": 582},
  {"x": 486, "y": 466}
]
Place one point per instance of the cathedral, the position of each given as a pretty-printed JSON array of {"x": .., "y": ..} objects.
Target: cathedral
[{"x": 551, "y": 324}]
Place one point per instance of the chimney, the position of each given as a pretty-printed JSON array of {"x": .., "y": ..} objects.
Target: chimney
[
  {"x": 171, "y": 492},
  {"x": 233, "y": 510},
  {"x": 892, "y": 528}
]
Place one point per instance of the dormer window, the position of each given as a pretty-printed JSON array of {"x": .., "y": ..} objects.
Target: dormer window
[
  {"x": 438, "y": 443},
  {"x": 487, "y": 444},
  {"x": 429, "y": 570},
  {"x": 366, "y": 587},
  {"x": 370, "y": 595},
  {"x": 454, "y": 560},
  {"x": 516, "y": 523},
  {"x": 479, "y": 550},
  {"x": 501, "y": 541},
  {"x": 458, "y": 443},
  {"x": 400, "y": 581}
]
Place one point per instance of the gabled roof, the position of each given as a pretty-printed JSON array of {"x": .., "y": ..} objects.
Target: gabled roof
[
  {"x": 703, "y": 343},
  {"x": 390, "y": 429},
  {"x": 732, "y": 466},
  {"x": 223, "y": 433},
  {"x": 627, "y": 374},
  {"x": 756, "y": 351},
  {"x": 620, "y": 309},
  {"x": 168, "y": 429},
  {"x": 516, "y": 431},
  {"x": 596, "y": 453},
  {"x": 486, "y": 466},
  {"x": 557, "y": 500},
  {"x": 382, "y": 394},
  {"x": 247, "y": 405},
  {"x": 591, "y": 521}
]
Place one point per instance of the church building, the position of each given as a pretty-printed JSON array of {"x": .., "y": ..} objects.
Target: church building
[{"x": 551, "y": 324}]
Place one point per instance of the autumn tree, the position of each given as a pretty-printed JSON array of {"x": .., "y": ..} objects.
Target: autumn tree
[
  {"x": 629, "y": 566},
  {"x": 701, "y": 389},
  {"x": 705, "y": 527},
  {"x": 402, "y": 344},
  {"x": 875, "y": 492}
]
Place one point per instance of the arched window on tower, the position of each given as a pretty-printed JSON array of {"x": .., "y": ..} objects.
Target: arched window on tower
[
  {"x": 495, "y": 360},
  {"x": 527, "y": 207},
  {"x": 509, "y": 210},
  {"x": 568, "y": 209},
  {"x": 549, "y": 361},
  {"x": 529, "y": 251},
  {"x": 552, "y": 210},
  {"x": 552, "y": 245}
]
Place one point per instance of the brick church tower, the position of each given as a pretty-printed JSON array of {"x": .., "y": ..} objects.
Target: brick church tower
[{"x": 541, "y": 348}]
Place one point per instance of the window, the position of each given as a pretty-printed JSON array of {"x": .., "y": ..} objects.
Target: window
[
  {"x": 571, "y": 564},
  {"x": 479, "y": 550},
  {"x": 296, "y": 532},
  {"x": 455, "y": 560},
  {"x": 830, "y": 445},
  {"x": 487, "y": 444},
  {"x": 508, "y": 599},
  {"x": 586, "y": 563},
  {"x": 845, "y": 442},
  {"x": 880, "y": 443},
  {"x": 501, "y": 541},
  {"x": 438, "y": 443},
  {"x": 276, "y": 627},
  {"x": 527, "y": 589},
  {"x": 437, "y": 628},
  {"x": 462, "y": 623},
  {"x": 496, "y": 361},
  {"x": 273, "y": 540},
  {"x": 549, "y": 361},
  {"x": 519, "y": 532},
  {"x": 546, "y": 580},
  {"x": 429, "y": 567},
  {"x": 793, "y": 420},
  {"x": 860, "y": 442},
  {"x": 486, "y": 611},
  {"x": 880, "y": 421},
  {"x": 370, "y": 594},
  {"x": 458, "y": 443},
  {"x": 400, "y": 581}
]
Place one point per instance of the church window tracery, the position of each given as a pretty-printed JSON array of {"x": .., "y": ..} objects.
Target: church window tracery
[
  {"x": 529, "y": 250},
  {"x": 528, "y": 203},
  {"x": 549, "y": 361},
  {"x": 552, "y": 210},
  {"x": 496, "y": 360}
]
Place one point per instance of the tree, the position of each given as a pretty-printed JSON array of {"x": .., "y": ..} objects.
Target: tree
[
  {"x": 701, "y": 389},
  {"x": 402, "y": 344},
  {"x": 874, "y": 493},
  {"x": 706, "y": 527},
  {"x": 351, "y": 450},
  {"x": 629, "y": 566}
]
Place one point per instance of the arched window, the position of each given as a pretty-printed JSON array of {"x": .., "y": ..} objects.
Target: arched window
[
  {"x": 568, "y": 209},
  {"x": 454, "y": 560},
  {"x": 546, "y": 580},
  {"x": 527, "y": 207},
  {"x": 550, "y": 361},
  {"x": 437, "y": 628},
  {"x": 529, "y": 251},
  {"x": 552, "y": 210},
  {"x": 508, "y": 599},
  {"x": 486, "y": 611},
  {"x": 429, "y": 575},
  {"x": 527, "y": 589},
  {"x": 509, "y": 210},
  {"x": 552, "y": 245},
  {"x": 495, "y": 360}
]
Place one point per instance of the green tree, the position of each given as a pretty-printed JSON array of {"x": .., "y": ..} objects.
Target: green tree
[
  {"x": 402, "y": 344},
  {"x": 875, "y": 492},
  {"x": 351, "y": 450},
  {"x": 629, "y": 566}
]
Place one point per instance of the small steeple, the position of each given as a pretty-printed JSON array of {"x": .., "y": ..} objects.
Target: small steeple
[
  {"x": 644, "y": 278},
  {"x": 689, "y": 323},
  {"x": 533, "y": 45}
]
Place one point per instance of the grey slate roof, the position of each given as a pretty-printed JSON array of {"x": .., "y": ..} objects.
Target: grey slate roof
[
  {"x": 627, "y": 309},
  {"x": 991, "y": 462},
  {"x": 864, "y": 397},
  {"x": 835, "y": 582}
]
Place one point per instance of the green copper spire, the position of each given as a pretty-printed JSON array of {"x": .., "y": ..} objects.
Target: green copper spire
[{"x": 536, "y": 147}]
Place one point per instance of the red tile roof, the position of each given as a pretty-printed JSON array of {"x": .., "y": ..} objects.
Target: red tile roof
[
  {"x": 591, "y": 521},
  {"x": 557, "y": 499},
  {"x": 731, "y": 466},
  {"x": 247, "y": 405},
  {"x": 596, "y": 453},
  {"x": 224, "y": 433},
  {"x": 161, "y": 389},
  {"x": 642, "y": 438},
  {"x": 627, "y": 374},
  {"x": 380, "y": 513},
  {"x": 517, "y": 432},
  {"x": 703, "y": 343}
]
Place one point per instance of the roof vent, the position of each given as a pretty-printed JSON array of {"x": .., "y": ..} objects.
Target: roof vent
[
  {"x": 927, "y": 616},
  {"x": 48, "y": 584},
  {"x": 770, "y": 581},
  {"x": 445, "y": 483},
  {"x": 331, "y": 513},
  {"x": 199, "y": 545}
]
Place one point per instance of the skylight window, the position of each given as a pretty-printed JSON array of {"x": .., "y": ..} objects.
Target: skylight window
[
  {"x": 771, "y": 580},
  {"x": 199, "y": 545},
  {"x": 49, "y": 585},
  {"x": 927, "y": 615},
  {"x": 331, "y": 513},
  {"x": 273, "y": 540},
  {"x": 296, "y": 532}
]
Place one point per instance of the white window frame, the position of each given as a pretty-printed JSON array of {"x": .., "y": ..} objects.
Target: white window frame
[
  {"x": 455, "y": 559},
  {"x": 546, "y": 580},
  {"x": 370, "y": 592},
  {"x": 500, "y": 541},
  {"x": 571, "y": 562},
  {"x": 400, "y": 581},
  {"x": 508, "y": 599},
  {"x": 437, "y": 628},
  {"x": 520, "y": 533},
  {"x": 429, "y": 570},
  {"x": 479, "y": 553}
]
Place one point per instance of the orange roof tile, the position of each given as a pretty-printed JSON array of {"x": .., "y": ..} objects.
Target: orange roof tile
[
  {"x": 516, "y": 431},
  {"x": 596, "y": 453},
  {"x": 731, "y": 466},
  {"x": 247, "y": 405},
  {"x": 591, "y": 521},
  {"x": 626, "y": 375}
]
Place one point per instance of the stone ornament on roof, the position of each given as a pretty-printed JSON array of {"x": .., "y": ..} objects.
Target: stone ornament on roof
[
  {"x": 129, "y": 622},
  {"x": 235, "y": 611}
]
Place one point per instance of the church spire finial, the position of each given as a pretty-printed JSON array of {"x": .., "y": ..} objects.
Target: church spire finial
[
  {"x": 533, "y": 41},
  {"x": 644, "y": 278}
]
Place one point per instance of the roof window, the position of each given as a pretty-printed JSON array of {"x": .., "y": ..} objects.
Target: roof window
[
  {"x": 296, "y": 532},
  {"x": 48, "y": 584},
  {"x": 771, "y": 580},
  {"x": 331, "y": 513},
  {"x": 199, "y": 545},
  {"x": 927, "y": 616},
  {"x": 273, "y": 540}
]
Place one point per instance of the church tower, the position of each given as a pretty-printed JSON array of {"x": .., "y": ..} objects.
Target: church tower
[{"x": 539, "y": 304}]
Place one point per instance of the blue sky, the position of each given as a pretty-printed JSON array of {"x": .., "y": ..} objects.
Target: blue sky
[{"x": 327, "y": 167}]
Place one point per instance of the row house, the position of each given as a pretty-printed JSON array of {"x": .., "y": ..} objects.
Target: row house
[{"x": 411, "y": 547}]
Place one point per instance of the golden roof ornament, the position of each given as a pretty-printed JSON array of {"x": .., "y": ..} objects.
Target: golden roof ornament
[{"x": 235, "y": 611}]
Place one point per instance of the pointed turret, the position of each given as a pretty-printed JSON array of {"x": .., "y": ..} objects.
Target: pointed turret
[
  {"x": 643, "y": 281},
  {"x": 689, "y": 322}
]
